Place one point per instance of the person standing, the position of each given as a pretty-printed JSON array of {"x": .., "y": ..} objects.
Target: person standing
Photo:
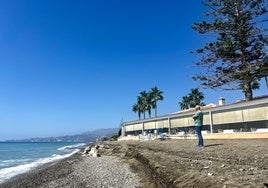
[{"x": 198, "y": 123}]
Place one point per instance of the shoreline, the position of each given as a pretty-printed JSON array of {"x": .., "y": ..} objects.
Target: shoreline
[
  {"x": 78, "y": 171},
  {"x": 158, "y": 163},
  {"x": 56, "y": 153},
  {"x": 35, "y": 176}
]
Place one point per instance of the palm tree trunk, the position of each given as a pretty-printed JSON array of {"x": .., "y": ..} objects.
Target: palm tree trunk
[{"x": 155, "y": 111}]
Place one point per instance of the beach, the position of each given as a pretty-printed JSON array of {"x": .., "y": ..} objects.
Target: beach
[{"x": 157, "y": 163}]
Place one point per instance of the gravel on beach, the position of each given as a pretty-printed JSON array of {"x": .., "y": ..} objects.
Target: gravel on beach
[
  {"x": 79, "y": 171},
  {"x": 105, "y": 171},
  {"x": 157, "y": 163}
]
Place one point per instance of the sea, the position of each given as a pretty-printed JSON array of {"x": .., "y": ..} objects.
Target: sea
[{"x": 20, "y": 157}]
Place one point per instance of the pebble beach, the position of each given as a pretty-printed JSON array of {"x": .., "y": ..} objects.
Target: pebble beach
[
  {"x": 158, "y": 163},
  {"x": 78, "y": 171}
]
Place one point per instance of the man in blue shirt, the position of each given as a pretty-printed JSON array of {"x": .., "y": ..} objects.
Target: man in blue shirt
[{"x": 198, "y": 123}]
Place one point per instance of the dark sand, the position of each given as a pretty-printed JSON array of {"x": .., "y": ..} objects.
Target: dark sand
[{"x": 169, "y": 163}]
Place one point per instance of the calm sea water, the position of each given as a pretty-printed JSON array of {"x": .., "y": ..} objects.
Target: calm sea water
[{"x": 20, "y": 157}]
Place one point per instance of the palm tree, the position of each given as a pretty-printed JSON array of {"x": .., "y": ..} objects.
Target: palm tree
[
  {"x": 192, "y": 99},
  {"x": 147, "y": 101},
  {"x": 196, "y": 97},
  {"x": 141, "y": 105},
  {"x": 143, "y": 102},
  {"x": 155, "y": 95},
  {"x": 136, "y": 108},
  {"x": 185, "y": 102}
]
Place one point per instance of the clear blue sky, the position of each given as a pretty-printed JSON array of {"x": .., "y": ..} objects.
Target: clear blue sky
[{"x": 71, "y": 66}]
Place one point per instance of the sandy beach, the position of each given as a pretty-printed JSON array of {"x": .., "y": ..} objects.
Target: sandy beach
[{"x": 158, "y": 163}]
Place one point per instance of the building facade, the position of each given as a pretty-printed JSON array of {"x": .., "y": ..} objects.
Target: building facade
[{"x": 239, "y": 117}]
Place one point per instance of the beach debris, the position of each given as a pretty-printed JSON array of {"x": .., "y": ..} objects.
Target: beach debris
[
  {"x": 223, "y": 165},
  {"x": 87, "y": 150},
  {"x": 92, "y": 151},
  {"x": 210, "y": 174},
  {"x": 206, "y": 167}
]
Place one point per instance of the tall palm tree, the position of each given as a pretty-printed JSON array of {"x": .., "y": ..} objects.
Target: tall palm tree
[
  {"x": 196, "y": 97},
  {"x": 143, "y": 102},
  {"x": 136, "y": 108},
  {"x": 148, "y": 108},
  {"x": 141, "y": 105},
  {"x": 185, "y": 102},
  {"x": 155, "y": 95}
]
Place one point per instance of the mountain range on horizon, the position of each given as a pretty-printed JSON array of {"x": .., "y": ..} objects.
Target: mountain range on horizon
[{"x": 89, "y": 136}]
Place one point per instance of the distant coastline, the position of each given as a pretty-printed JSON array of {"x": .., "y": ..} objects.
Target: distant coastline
[{"x": 89, "y": 136}]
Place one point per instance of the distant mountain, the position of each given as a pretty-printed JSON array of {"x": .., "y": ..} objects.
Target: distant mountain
[{"x": 89, "y": 136}]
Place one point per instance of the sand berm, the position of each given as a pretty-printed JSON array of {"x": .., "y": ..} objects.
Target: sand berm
[{"x": 157, "y": 163}]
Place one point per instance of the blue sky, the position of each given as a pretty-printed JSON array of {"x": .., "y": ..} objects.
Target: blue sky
[{"x": 69, "y": 67}]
